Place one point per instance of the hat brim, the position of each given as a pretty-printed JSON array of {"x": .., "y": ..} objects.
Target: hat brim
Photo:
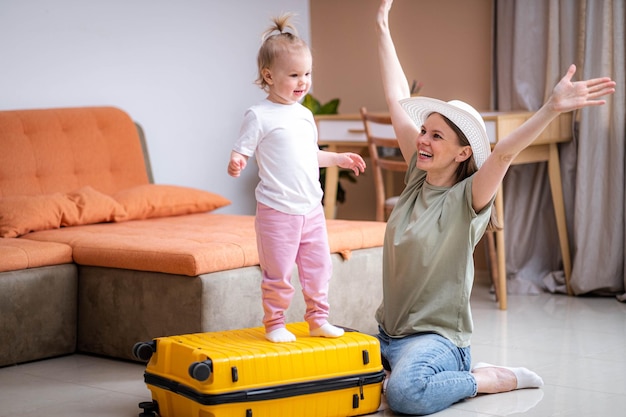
[{"x": 465, "y": 117}]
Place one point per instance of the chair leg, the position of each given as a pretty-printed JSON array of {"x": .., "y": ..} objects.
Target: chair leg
[
  {"x": 493, "y": 262},
  {"x": 500, "y": 251}
]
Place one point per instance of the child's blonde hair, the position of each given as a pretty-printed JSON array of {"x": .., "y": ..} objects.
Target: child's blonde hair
[{"x": 274, "y": 44}]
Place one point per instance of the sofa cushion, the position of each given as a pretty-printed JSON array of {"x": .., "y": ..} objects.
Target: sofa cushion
[
  {"x": 156, "y": 200},
  {"x": 190, "y": 245},
  {"x": 23, "y": 213},
  {"x": 19, "y": 254},
  {"x": 91, "y": 206},
  {"x": 61, "y": 150}
]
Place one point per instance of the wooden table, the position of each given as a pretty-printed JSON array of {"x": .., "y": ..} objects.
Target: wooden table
[
  {"x": 345, "y": 133},
  {"x": 544, "y": 149},
  {"x": 340, "y": 133}
]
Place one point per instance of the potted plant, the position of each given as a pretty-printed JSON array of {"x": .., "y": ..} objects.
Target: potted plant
[{"x": 331, "y": 107}]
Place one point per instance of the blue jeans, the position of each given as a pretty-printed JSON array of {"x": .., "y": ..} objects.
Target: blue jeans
[{"x": 428, "y": 373}]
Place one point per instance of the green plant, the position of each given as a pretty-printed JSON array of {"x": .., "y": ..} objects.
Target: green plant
[
  {"x": 331, "y": 107},
  {"x": 316, "y": 107}
]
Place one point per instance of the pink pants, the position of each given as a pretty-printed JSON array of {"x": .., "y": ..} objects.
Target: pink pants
[{"x": 285, "y": 239}]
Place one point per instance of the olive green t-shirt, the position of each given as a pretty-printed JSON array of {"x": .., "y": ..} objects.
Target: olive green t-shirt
[{"x": 428, "y": 264}]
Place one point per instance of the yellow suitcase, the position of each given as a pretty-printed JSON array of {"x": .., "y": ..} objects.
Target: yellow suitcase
[{"x": 238, "y": 373}]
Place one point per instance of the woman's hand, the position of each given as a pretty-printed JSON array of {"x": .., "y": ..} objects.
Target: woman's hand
[
  {"x": 567, "y": 95},
  {"x": 382, "y": 19}
]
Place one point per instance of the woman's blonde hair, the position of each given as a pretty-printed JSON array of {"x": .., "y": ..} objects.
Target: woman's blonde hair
[{"x": 273, "y": 44}]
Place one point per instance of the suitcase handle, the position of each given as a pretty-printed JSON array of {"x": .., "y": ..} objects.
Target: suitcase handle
[{"x": 201, "y": 371}]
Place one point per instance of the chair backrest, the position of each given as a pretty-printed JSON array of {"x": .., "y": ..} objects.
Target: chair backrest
[{"x": 384, "y": 152}]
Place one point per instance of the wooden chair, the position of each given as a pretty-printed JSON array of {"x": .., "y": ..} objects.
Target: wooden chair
[
  {"x": 385, "y": 159},
  {"x": 494, "y": 245}
]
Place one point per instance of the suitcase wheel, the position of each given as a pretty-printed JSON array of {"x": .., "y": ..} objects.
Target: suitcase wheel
[
  {"x": 144, "y": 350},
  {"x": 201, "y": 371},
  {"x": 150, "y": 408}
]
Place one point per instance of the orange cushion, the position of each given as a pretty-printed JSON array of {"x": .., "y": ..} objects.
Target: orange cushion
[
  {"x": 191, "y": 245},
  {"x": 24, "y": 214},
  {"x": 156, "y": 200},
  {"x": 19, "y": 254},
  {"x": 59, "y": 150},
  {"x": 91, "y": 207}
]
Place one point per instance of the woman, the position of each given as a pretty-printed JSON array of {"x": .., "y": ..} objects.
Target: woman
[{"x": 425, "y": 320}]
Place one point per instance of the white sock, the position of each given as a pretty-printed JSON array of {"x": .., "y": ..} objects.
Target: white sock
[
  {"x": 386, "y": 380},
  {"x": 327, "y": 330},
  {"x": 525, "y": 377},
  {"x": 280, "y": 335}
]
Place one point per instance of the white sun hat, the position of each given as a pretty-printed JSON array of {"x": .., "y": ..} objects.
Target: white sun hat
[{"x": 464, "y": 116}]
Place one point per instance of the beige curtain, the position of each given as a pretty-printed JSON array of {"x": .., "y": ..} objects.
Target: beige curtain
[{"x": 534, "y": 43}]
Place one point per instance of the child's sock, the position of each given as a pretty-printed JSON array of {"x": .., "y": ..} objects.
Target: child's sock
[
  {"x": 525, "y": 377},
  {"x": 327, "y": 330},
  {"x": 280, "y": 335}
]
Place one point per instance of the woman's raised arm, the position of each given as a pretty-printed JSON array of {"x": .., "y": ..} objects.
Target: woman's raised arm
[
  {"x": 566, "y": 96},
  {"x": 395, "y": 84}
]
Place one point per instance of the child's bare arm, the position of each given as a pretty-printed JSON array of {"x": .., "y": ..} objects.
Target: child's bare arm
[{"x": 348, "y": 160}]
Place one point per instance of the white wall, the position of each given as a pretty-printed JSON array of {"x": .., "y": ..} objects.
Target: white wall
[{"x": 183, "y": 69}]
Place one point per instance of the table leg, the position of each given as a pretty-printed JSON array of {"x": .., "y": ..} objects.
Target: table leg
[
  {"x": 330, "y": 188},
  {"x": 556, "y": 188}
]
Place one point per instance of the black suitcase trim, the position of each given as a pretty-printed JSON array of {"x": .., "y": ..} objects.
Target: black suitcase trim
[{"x": 269, "y": 393}]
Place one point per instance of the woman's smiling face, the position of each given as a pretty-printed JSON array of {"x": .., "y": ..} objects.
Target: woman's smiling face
[{"x": 438, "y": 146}]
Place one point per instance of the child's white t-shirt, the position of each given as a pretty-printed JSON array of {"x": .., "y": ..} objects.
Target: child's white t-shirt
[{"x": 283, "y": 139}]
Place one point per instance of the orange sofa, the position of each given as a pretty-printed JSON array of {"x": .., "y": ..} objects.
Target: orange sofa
[{"x": 94, "y": 257}]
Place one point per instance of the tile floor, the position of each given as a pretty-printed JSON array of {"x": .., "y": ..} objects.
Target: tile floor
[{"x": 578, "y": 346}]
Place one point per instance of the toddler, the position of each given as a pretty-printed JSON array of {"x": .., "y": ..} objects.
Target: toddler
[{"x": 290, "y": 223}]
